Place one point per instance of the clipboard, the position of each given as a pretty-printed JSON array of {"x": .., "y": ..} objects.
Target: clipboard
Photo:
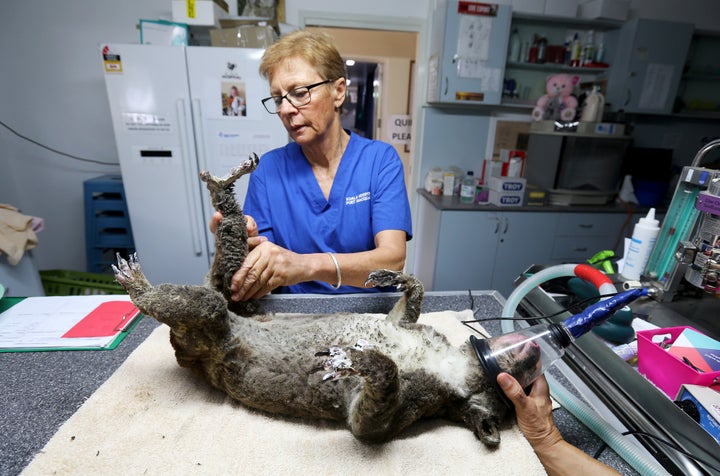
[{"x": 85, "y": 323}]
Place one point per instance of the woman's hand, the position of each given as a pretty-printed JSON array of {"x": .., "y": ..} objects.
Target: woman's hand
[
  {"x": 534, "y": 410},
  {"x": 266, "y": 267},
  {"x": 534, "y": 417}
]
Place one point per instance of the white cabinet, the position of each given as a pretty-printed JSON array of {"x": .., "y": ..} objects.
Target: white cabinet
[
  {"x": 488, "y": 250},
  {"x": 649, "y": 56},
  {"x": 459, "y": 248},
  {"x": 467, "y": 53},
  {"x": 578, "y": 236}
]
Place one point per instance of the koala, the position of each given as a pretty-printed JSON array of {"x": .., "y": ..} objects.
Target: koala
[{"x": 377, "y": 374}]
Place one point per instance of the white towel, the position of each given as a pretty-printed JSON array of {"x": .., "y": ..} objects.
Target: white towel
[
  {"x": 16, "y": 233},
  {"x": 154, "y": 418}
]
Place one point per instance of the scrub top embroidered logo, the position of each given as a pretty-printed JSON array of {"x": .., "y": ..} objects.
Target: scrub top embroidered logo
[{"x": 362, "y": 197}]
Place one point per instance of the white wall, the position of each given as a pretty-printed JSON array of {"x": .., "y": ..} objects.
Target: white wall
[{"x": 52, "y": 91}]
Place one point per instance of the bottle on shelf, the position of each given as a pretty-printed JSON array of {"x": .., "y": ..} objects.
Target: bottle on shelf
[
  {"x": 542, "y": 50},
  {"x": 468, "y": 188},
  {"x": 600, "y": 51},
  {"x": 589, "y": 48},
  {"x": 515, "y": 46},
  {"x": 575, "y": 50}
]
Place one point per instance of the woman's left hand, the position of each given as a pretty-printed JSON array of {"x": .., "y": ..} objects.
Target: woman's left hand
[{"x": 266, "y": 267}]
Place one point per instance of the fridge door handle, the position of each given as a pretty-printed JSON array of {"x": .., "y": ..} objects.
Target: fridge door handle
[
  {"x": 197, "y": 117},
  {"x": 189, "y": 176}
]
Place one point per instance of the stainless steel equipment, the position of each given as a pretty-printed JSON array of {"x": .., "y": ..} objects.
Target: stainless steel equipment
[{"x": 689, "y": 241}]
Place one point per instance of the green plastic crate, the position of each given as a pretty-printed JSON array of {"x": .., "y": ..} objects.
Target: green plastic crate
[{"x": 60, "y": 282}]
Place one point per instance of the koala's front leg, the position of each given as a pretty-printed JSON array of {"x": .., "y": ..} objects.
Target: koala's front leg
[
  {"x": 175, "y": 305},
  {"x": 408, "y": 307}
]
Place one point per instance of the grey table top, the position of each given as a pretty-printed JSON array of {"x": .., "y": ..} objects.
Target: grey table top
[{"x": 41, "y": 390}]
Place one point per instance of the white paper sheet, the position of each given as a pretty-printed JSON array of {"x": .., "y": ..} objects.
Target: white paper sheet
[{"x": 40, "y": 322}]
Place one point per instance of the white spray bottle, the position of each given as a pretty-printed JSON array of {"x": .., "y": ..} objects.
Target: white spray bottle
[{"x": 643, "y": 240}]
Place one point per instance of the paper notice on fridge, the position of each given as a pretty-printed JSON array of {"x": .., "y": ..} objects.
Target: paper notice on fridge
[
  {"x": 656, "y": 86},
  {"x": 474, "y": 37},
  {"x": 490, "y": 78}
]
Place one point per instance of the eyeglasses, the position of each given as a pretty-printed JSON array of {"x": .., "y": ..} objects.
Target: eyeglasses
[{"x": 297, "y": 97}]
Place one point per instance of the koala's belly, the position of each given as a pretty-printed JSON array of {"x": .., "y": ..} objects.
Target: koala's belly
[{"x": 292, "y": 341}]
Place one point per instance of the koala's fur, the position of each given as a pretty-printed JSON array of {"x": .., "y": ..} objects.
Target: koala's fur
[{"x": 377, "y": 375}]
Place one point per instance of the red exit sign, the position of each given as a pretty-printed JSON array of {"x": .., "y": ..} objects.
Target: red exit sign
[{"x": 475, "y": 8}]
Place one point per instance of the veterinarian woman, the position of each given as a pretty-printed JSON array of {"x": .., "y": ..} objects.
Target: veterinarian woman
[
  {"x": 534, "y": 417},
  {"x": 329, "y": 207}
]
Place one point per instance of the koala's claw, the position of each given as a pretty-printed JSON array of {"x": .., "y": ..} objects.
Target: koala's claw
[
  {"x": 125, "y": 270},
  {"x": 386, "y": 277},
  {"x": 339, "y": 364}
]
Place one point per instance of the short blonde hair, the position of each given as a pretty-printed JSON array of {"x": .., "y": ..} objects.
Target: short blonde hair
[{"x": 314, "y": 47}]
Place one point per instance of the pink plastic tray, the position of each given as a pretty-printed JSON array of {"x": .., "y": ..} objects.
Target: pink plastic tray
[{"x": 665, "y": 370}]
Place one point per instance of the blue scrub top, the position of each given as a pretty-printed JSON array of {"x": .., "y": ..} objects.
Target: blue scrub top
[{"x": 368, "y": 196}]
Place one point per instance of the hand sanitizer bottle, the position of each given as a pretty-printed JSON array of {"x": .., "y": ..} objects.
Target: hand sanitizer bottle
[
  {"x": 643, "y": 240},
  {"x": 467, "y": 189}
]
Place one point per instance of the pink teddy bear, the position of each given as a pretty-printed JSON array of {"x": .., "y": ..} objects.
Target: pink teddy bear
[{"x": 558, "y": 103}]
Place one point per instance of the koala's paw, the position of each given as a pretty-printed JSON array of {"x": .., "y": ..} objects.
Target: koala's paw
[
  {"x": 386, "y": 277},
  {"x": 338, "y": 364},
  {"x": 128, "y": 272}
]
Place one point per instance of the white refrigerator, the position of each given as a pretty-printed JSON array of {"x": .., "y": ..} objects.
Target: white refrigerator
[{"x": 177, "y": 111}]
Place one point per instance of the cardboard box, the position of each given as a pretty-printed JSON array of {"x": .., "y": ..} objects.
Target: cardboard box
[
  {"x": 706, "y": 402},
  {"x": 506, "y": 199},
  {"x": 161, "y": 32},
  {"x": 535, "y": 196},
  {"x": 608, "y": 9},
  {"x": 490, "y": 168},
  {"x": 561, "y": 8},
  {"x": 207, "y": 12},
  {"x": 245, "y": 36},
  {"x": 514, "y": 185},
  {"x": 513, "y": 163}
]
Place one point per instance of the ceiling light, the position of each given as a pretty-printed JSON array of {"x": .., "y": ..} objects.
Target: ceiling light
[{"x": 349, "y": 62}]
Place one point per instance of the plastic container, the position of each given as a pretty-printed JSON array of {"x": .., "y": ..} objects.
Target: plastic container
[
  {"x": 514, "y": 46},
  {"x": 643, "y": 240},
  {"x": 74, "y": 283},
  {"x": 468, "y": 188},
  {"x": 665, "y": 370}
]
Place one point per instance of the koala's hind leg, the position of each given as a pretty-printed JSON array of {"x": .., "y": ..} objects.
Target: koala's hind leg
[
  {"x": 408, "y": 307},
  {"x": 180, "y": 307},
  {"x": 231, "y": 234},
  {"x": 373, "y": 412}
]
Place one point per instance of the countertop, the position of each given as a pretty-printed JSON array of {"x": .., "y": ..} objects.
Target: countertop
[
  {"x": 445, "y": 203},
  {"x": 41, "y": 390}
]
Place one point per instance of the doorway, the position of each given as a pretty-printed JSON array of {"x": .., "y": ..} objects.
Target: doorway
[
  {"x": 359, "y": 110},
  {"x": 394, "y": 54}
]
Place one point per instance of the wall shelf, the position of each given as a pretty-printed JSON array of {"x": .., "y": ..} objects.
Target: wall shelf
[
  {"x": 553, "y": 67},
  {"x": 570, "y": 22}
]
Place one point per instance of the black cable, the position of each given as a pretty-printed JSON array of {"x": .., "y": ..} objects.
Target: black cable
[
  {"x": 600, "y": 450},
  {"x": 673, "y": 446},
  {"x": 565, "y": 309},
  {"x": 82, "y": 159}
]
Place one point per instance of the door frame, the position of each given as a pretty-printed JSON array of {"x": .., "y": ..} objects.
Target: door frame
[{"x": 384, "y": 23}]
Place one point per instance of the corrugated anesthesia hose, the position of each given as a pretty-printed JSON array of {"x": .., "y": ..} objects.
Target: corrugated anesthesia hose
[{"x": 612, "y": 437}]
